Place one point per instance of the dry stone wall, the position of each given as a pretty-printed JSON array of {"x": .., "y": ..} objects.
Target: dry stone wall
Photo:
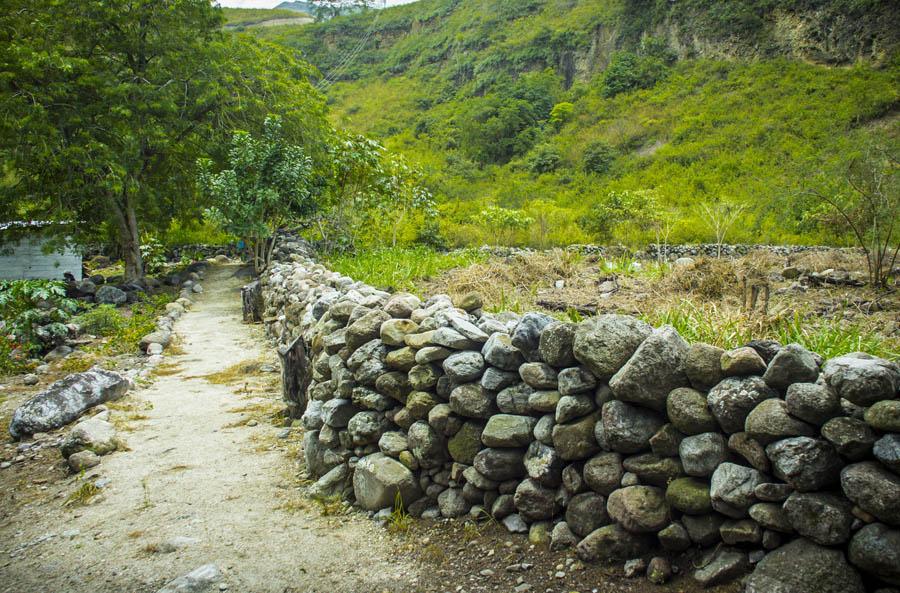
[{"x": 610, "y": 436}]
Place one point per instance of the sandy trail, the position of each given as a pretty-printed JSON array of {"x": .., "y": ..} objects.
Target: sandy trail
[{"x": 191, "y": 473}]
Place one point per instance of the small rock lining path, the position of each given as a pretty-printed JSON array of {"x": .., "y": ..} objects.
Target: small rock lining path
[{"x": 198, "y": 486}]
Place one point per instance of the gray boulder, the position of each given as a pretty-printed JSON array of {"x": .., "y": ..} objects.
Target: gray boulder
[
  {"x": 514, "y": 399},
  {"x": 688, "y": 411},
  {"x": 721, "y": 566},
  {"x": 876, "y": 550},
  {"x": 862, "y": 378},
  {"x": 543, "y": 464},
  {"x": 378, "y": 479},
  {"x": 500, "y": 465},
  {"x": 603, "y": 473},
  {"x": 110, "y": 295},
  {"x": 508, "y": 430},
  {"x": 527, "y": 334},
  {"x": 539, "y": 375},
  {"x": 576, "y": 380},
  {"x": 802, "y": 566},
  {"x": 366, "y": 428},
  {"x": 570, "y": 407},
  {"x": 628, "y": 428},
  {"x": 639, "y": 509},
  {"x": 427, "y": 446},
  {"x": 884, "y": 416},
  {"x": 702, "y": 365},
  {"x": 813, "y": 402},
  {"x": 500, "y": 352},
  {"x": 701, "y": 454},
  {"x": 574, "y": 440},
  {"x": 365, "y": 329},
  {"x": 586, "y": 512},
  {"x": 887, "y": 451},
  {"x": 555, "y": 345},
  {"x": 655, "y": 369},
  {"x": 824, "y": 518},
  {"x": 463, "y": 367},
  {"x": 792, "y": 364},
  {"x": 65, "y": 400},
  {"x": 874, "y": 489},
  {"x": 473, "y": 401},
  {"x": 769, "y": 421},
  {"x": 742, "y": 361},
  {"x": 605, "y": 343},
  {"x": 805, "y": 463},
  {"x": 94, "y": 434},
  {"x": 338, "y": 412},
  {"x": 852, "y": 438},
  {"x": 535, "y": 502},
  {"x": 731, "y": 489},
  {"x": 732, "y": 400},
  {"x": 452, "y": 503},
  {"x": 494, "y": 379}
]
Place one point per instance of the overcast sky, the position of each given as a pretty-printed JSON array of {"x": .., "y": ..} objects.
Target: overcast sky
[{"x": 274, "y": 3}]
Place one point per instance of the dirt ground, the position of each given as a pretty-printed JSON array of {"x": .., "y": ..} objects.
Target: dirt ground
[{"x": 205, "y": 475}]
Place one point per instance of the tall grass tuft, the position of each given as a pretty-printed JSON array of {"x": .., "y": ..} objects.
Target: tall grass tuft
[{"x": 398, "y": 268}]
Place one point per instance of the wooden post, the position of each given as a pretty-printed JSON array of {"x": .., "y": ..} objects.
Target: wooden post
[
  {"x": 251, "y": 301},
  {"x": 296, "y": 375}
]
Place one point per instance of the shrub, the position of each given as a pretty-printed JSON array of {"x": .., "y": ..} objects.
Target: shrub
[
  {"x": 544, "y": 159},
  {"x": 561, "y": 113},
  {"x": 103, "y": 320},
  {"x": 34, "y": 313},
  {"x": 598, "y": 157}
]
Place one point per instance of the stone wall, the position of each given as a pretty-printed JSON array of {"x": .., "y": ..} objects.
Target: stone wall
[{"x": 610, "y": 436}]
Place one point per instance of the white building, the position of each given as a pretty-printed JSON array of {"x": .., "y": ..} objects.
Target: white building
[{"x": 23, "y": 254}]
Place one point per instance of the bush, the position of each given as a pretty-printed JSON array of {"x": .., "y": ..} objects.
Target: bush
[
  {"x": 561, "y": 113},
  {"x": 34, "y": 313},
  {"x": 103, "y": 320},
  {"x": 598, "y": 157},
  {"x": 544, "y": 159},
  {"x": 628, "y": 71}
]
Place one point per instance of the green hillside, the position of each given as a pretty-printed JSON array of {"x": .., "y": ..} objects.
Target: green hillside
[{"x": 584, "y": 113}]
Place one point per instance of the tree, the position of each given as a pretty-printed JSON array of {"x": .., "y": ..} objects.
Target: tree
[
  {"x": 265, "y": 188},
  {"x": 865, "y": 199},
  {"x": 720, "y": 217},
  {"x": 106, "y": 105},
  {"x": 328, "y": 9},
  {"x": 503, "y": 222},
  {"x": 637, "y": 208},
  {"x": 400, "y": 195}
]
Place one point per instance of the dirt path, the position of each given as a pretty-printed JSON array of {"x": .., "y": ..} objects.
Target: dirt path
[{"x": 197, "y": 469}]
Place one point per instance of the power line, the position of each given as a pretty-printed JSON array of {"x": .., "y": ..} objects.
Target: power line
[{"x": 350, "y": 56}]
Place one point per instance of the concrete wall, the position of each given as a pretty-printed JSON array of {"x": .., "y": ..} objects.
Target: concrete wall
[{"x": 25, "y": 258}]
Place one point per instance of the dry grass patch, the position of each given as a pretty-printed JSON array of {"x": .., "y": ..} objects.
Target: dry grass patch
[
  {"x": 167, "y": 369},
  {"x": 82, "y": 495},
  {"x": 235, "y": 374}
]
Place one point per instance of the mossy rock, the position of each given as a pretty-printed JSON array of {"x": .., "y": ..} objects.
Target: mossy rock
[{"x": 689, "y": 495}]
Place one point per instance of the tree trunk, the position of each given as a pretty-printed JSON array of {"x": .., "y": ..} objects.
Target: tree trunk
[{"x": 130, "y": 239}]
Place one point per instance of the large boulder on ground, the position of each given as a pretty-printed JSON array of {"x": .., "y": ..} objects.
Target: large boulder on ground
[
  {"x": 803, "y": 566},
  {"x": 613, "y": 542},
  {"x": 110, "y": 295},
  {"x": 605, "y": 343},
  {"x": 65, "y": 400},
  {"x": 862, "y": 378},
  {"x": 378, "y": 479},
  {"x": 94, "y": 434},
  {"x": 535, "y": 502}
]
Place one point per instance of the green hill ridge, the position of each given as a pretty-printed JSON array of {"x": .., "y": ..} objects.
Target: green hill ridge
[{"x": 570, "y": 109}]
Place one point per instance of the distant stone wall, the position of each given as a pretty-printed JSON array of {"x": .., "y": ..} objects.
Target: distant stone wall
[
  {"x": 611, "y": 436},
  {"x": 672, "y": 252}
]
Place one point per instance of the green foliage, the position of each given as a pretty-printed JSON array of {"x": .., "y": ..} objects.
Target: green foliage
[
  {"x": 266, "y": 186},
  {"x": 102, "y": 320},
  {"x": 637, "y": 208},
  {"x": 562, "y": 113},
  {"x": 106, "y": 106},
  {"x": 153, "y": 254},
  {"x": 248, "y": 17},
  {"x": 598, "y": 157},
  {"x": 545, "y": 158},
  {"x": 124, "y": 329},
  {"x": 34, "y": 314},
  {"x": 502, "y": 222},
  {"x": 399, "y": 268},
  {"x": 628, "y": 71}
]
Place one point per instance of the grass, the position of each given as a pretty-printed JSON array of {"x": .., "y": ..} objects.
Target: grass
[
  {"x": 248, "y": 17},
  {"x": 122, "y": 329},
  {"x": 82, "y": 495},
  {"x": 399, "y": 521},
  {"x": 235, "y": 374},
  {"x": 400, "y": 268}
]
